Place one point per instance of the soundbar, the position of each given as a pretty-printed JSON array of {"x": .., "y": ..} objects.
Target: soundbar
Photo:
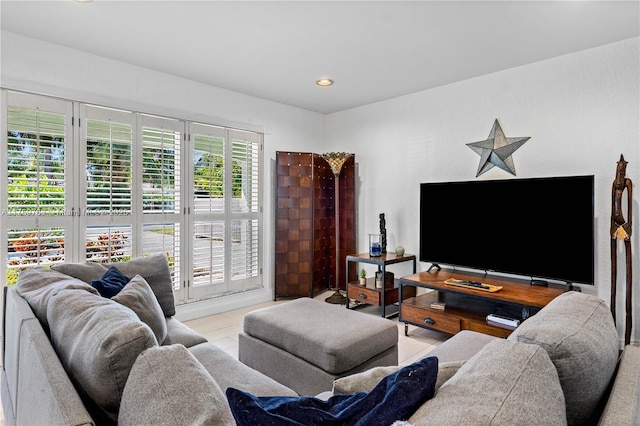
[{"x": 502, "y": 322}]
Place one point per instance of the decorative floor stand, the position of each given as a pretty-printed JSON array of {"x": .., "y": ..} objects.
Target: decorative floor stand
[{"x": 336, "y": 160}]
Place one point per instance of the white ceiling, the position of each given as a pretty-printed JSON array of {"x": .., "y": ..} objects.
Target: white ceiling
[{"x": 374, "y": 50}]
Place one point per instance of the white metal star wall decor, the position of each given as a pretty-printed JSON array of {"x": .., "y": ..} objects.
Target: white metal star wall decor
[{"x": 496, "y": 150}]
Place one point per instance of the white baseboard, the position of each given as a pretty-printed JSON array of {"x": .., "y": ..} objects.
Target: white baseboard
[{"x": 190, "y": 311}]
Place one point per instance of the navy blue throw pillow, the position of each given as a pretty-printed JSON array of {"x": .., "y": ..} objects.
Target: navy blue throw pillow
[
  {"x": 396, "y": 397},
  {"x": 111, "y": 282}
]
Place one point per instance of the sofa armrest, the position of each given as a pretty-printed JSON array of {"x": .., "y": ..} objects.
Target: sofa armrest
[
  {"x": 461, "y": 346},
  {"x": 45, "y": 392},
  {"x": 622, "y": 406},
  {"x": 35, "y": 386}
]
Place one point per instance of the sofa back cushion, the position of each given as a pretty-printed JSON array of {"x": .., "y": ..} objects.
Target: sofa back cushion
[
  {"x": 578, "y": 333},
  {"x": 168, "y": 386},
  {"x": 154, "y": 269},
  {"x": 86, "y": 272},
  {"x": 98, "y": 341},
  {"x": 39, "y": 285},
  {"x": 138, "y": 296},
  {"x": 506, "y": 383}
]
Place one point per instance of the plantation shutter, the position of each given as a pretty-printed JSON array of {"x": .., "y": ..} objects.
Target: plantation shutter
[
  {"x": 36, "y": 206},
  {"x": 107, "y": 140},
  {"x": 208, "y": 221},
  {"x": 161, "y": 177},
  {"x": 84, "y": 182},
  {"x": 245, "y": 209}
]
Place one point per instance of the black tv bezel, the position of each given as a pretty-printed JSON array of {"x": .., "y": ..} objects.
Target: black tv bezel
[{"x": 531, "y": 273}]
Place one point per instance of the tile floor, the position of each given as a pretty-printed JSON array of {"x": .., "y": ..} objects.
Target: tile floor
[{"x": 222, "y": 329}]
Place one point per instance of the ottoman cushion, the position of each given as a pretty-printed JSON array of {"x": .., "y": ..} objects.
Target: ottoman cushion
[{"x": 329, "y": 336}]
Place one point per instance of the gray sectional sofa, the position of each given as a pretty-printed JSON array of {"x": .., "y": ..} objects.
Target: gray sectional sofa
[{"x": 73, "y": 357}]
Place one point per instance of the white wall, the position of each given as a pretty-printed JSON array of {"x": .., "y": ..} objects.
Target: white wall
[
  {"x": 580, "y": 110},
  {"x": 40, "y": 67}
]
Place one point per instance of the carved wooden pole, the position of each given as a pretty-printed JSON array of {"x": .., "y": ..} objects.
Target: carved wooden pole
[{"x": 621, "y": 230}]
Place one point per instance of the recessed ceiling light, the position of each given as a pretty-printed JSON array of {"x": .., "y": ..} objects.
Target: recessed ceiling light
[{"x": 324, "y": 82}]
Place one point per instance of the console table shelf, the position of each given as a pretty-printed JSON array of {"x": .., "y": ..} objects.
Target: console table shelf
[
  {"x": 467, "y": 308},
  {"x": 370, "y": 294}
]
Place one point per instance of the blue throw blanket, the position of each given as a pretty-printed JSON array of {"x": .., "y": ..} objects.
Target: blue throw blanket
[{"x": 396, "y": 397}]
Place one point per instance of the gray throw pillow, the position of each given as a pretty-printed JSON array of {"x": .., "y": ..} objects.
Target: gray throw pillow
[
  {"x": 168, "y": 386},
  {"x": 138, "y": 296},
  {"x": 578, "y": 333},
  {"x": 38, "y": 285},
  {"x": 505, "y": 384},
  {"x": 97, "y": 341},
  {"x": 155, "y": 270}
]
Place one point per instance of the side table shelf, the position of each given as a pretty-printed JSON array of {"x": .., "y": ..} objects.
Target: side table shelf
[
  {"x": 467, "y": 308},
  {"x": 369, "y": 293}
]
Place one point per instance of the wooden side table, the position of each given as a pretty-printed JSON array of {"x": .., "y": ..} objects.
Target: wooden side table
[{"x": 369, "y": 293}]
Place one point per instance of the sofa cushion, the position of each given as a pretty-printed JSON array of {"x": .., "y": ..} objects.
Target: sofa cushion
[
  {"x": 110, "y": 283},
  {"x": 38, "y": 285},
  {"x": 227, "y": 371},
  {"x": 168, "y": 386},
  {"x": 506, "y": 383},
  {"x": 578, "y": 333},
  {"x": 178, "y": 333},
  {"x": 623, "y": 402},
  {"x": 155, "y": 270},
  {"x": 367, "y": 380},
  {"x": 138, "y": 296},
  {"x": 395, "y": 397},
  {"x": 97, "y": 340},
  {"x": 461, "y": 346},
  {"x": 86, "y": 272}
]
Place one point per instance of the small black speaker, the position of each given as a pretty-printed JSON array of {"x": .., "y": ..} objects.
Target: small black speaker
[{"x": 541, "y": 283}]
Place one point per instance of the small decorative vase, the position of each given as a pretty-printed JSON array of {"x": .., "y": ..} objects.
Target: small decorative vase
[
  {"x": 378, "y": 279},
  {"x": 400, "y": 251}
]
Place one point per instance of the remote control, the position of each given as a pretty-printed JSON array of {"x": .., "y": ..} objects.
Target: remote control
[{"x": 476, "y": 284}]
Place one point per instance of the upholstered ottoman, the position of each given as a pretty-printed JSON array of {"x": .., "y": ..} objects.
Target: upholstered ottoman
[{"x": 305, "y": 344}]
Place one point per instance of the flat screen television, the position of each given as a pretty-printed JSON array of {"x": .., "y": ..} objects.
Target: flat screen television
[{"x": 539, "y": 228}]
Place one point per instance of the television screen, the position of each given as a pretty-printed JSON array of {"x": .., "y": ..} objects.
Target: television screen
[{"x": 538, "y": 228}]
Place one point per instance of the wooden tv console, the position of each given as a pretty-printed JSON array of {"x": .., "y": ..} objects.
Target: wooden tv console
[{"x": 467, "y": 308}]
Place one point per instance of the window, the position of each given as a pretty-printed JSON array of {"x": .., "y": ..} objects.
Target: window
[
  {"x": 226, "y": 211},
  {"x": 36, "y": 202},
  {"x": 90, "y": 183},
  {"x": 106, "y": 195}
]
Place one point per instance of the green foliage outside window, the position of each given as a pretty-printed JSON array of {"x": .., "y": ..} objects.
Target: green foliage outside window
[{"x": 209, "y": 176}]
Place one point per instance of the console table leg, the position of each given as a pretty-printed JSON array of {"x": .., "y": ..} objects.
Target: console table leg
[{"x": 406, "y": 329}]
